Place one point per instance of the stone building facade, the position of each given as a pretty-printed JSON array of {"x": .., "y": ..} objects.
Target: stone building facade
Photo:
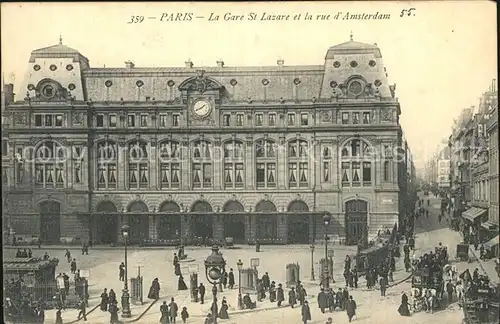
[{"x": 246, "y": 152}]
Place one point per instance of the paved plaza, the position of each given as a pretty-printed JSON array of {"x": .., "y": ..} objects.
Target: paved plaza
[{"x": 157, "y": 263}]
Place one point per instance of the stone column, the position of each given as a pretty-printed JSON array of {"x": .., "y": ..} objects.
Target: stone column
[
  {"x": 153, "y": 234},
  {"x": 282, "y": 227},
  {"x": 218, "y": 162},
  {"x": 122, "y": 164},
  {"x": 282, "y": 166},
  {"x": 185, "y": 172},
  {"x": 218, "y": 227},
  {"x": 248, "y": 228},
  {"x": 153, "y": 165},
  {"x": 249, "y": 163}
]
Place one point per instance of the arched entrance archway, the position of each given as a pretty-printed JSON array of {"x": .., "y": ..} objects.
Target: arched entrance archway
[
  {"x": 267, "y": 223},
  {"x": 356, "y": 221},
  {"x": 298, "y": 223},
  {"x": 169, "y": 226},
  {"x": 138, "y": 223},
  {"x": 105, "y": 224},
  {"x": 234, "y": 221},
  {"x": 50, "y": 221},
  {"x": 201, "y": 220}
]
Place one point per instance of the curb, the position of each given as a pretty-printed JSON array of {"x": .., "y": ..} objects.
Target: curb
[
  {"x": 142, "y": 314},
  {"x": 77, "y": 320}
]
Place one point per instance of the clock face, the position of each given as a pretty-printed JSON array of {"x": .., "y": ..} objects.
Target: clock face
[{"x": 202, "y": 108}]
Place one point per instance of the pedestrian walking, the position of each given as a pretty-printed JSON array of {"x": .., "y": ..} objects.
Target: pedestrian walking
[
  {"x": 184, "y": 314},
  {"x": 165, "y": 315},
  {"x": 104, "y": 300},
  {"x": 59, "y": 319},
  {"x": 201, "y": 290},
  {"x": 292, "y": 297},
  {"x": 173, "y": 310},
  {"x": 231, "y": 279},
  {"x": 121, "y": 271},
  {"x": 113, "y": 310},
  {"x": 83, "y": 310},
  {"x": 322, "y": 300},
  {"x": 449, "y": 290},
  {"x": 350, "y": 308},
  {"x": 306, "y": 312},
  {"x": 73, "y": 266},
  {"x": 383, "y": 286},
  {"x": 280, "y": 295}
]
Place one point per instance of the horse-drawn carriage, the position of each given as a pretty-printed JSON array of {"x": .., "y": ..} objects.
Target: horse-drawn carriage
[
  {"x": 427, "y": 289},
  {"x": 371, "y": 257}
]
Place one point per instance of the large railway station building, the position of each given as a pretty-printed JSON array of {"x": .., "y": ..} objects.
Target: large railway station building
[{"x": 249, "y": 152}]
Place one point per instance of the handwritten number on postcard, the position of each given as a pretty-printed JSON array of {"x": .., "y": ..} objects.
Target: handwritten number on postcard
[
  {"x": 408, "y": 12},
  {"x": 136, "y": 19}
]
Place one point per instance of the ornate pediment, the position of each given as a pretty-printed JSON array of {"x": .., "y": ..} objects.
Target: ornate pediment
[{"x": 200, "y": 83}]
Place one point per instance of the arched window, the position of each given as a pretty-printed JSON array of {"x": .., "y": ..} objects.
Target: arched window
[
  {"x": 169, "y": 155},
  {"x": 265, "y": 154},
  {"x": 138, "y": 165},
  {"x": 387, "y": 171},
  {"x": 356, "y": 164},
  {"x": 298, "y": 163},
  {"x": 202, "y": 168},
  {"x": 50, "y": 160},
  {"x": 107, "y": 161},
  {"x": 326, "y": 156},
  {"x": 233, "y": 164}
]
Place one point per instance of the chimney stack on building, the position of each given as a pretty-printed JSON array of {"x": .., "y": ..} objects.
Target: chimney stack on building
[
  {"x": 189, "y": 64},
  {"x": 129, "y": 64},
  {"x": 280, "y": 62},
  {"x": 494, "y": 85},
  {"x": 220, "y": 63}
]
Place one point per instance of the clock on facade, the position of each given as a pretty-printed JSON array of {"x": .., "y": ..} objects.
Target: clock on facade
[{"x": 202, "y": 108}]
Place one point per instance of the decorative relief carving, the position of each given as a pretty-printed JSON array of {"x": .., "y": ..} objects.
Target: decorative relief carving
[
  {"x": 77, "y": 118},
  {"x": 386, "y": 114},
  {"x": 19, "y": 118},
  {"x": 326, "y": 116}
]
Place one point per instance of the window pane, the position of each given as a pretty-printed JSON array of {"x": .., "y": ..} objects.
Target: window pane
[
  {"x": 304, "y": 119},
  {"x": 366, "y": 118},
  {"x": 291, "y": 119},
  {"x": 367, "y": 172},
  {"x": 303, "y": 173},
  {"x": 292, "y": 170},
  {"x": 239, "y": 174},
  {"x": 261, "y": 173},
  {"x": 258, "y": 119},
  {"x": 326, "y": 171},
  {"x": 38, "y": 120},
  {"x": 207, "y": 174},
  {"x": 48, "y": 120},
  {"x": 112, "y": 120},
  {"x": 175, "y": 120},
  {"x": 228, "y": 174},
  {"x": 345, "y": 173},
  {"x": 356, "y": 172},
  {"x": 345, "y": 118},
  {"x": 272, "y": 119},
  {"x": 99, "y": 121},
  {"x": 59, "y": 120},
  {"x": 271, "y": 173},
  {"x": 133, "y": 173},
  {"x": 144, "y": 120},
  {"x": 355, "y": 118},
  {"x": 143, "y": 173},
  {"x": 163, "y": 120},
  {"x": 131, "y": 121}
]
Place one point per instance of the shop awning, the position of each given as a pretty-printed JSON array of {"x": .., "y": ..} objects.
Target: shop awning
[
  {"x": 489, "y": 226},
  {"x": 491, "y": 243},
  {"x": 473, "y": 213}
]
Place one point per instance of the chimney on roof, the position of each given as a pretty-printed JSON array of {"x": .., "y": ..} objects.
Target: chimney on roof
[
  {"x": 189, "y": 63},
  {"x": 129, "y": 64},
  {"x": 8, "y": 92},
  {"x": 280, "y": 62},
  {"x": 493, "y": 85},
  {"x": 220, "y": 63}
]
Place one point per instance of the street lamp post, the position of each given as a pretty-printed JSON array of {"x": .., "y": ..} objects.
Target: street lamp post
[
  {"x": 125, "y": 294},
  {"x": 239, "y": 264},
  {"x": 326, "y": 221},
  {"x": 214, "y": 270},
  {"x": 312, "y": 262}
]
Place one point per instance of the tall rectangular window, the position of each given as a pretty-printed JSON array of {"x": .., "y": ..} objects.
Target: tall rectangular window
[
  {"x": 131, "y": 120},
  {"x": 291, "y": 119},
  {"x": 144, "y": 120},
  {"x": 176, "y": 120},
  {"x": 266, "y": 175},
  {"x": 38, "y": 120},
  {"x": 355, "y": 117},
  {"x": 304, "y": 119},
  {"x": 59, "y": 120},
  {"x": 272, "y": 120},
  {"x": 346, "y": 166},
  {"x": 366, "y": 118},
  {"x": 48, "y": 120},
  {"x": 112, "y": 121},
  {"x": 99, "y": 120},
  {"x": 259, "y": 119},
  {"x": 239, "y": 119},
  {"x": 226, "y": 120},
  {"x": 202, "y": 175},
  {"x": 345, "y": 118},
  {"x": 163, "y": 121},
  {"x": 367, "y": 173}
]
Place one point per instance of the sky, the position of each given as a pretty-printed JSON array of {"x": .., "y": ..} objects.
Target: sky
[{"x": 442, "y": 57}]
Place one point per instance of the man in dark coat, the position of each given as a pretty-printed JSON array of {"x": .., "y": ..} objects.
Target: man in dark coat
[
  {"x": 83, "y": 310},
  {"x": 404, "y": 309},
  {"x": 345, "y": 297},
  {"x": 331, "y": 300},
  {"x": 272, "y": 292},
  {"x": 338, "y": 298},
  {"x": 231, "y": 279},
  {"x": 306, "y": 312},
  {"x": 121, "y": 270},
  {"x": 355, "y": 277},
  {"x": 383, "y": 286},
  {"x": 154, "y": 290},
  {"x": 350, "y": 308},
  {"x": 450, "y": 289},
  {"x": 165, "y": 315},
  {"x": 266, "y": 282},
  {"x": 173, "y": 309},
  {"x": 201, "y": 290},
  {"x": 176, "y": 259},
  {"x": 292, "y": 297},
  {"x": 73, "y": 266},
  {"x": 104, "y": 300},
  {"x": 322, "y": 300},
  {"x": 280, "y": 295}
]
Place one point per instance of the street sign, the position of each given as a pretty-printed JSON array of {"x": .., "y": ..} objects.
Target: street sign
[
  {"x": 254, "y": 262},
  {"x": 331, "y": 253}
]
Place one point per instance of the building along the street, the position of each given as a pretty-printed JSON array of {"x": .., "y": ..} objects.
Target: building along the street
[{"x": 219, "y": 151}]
